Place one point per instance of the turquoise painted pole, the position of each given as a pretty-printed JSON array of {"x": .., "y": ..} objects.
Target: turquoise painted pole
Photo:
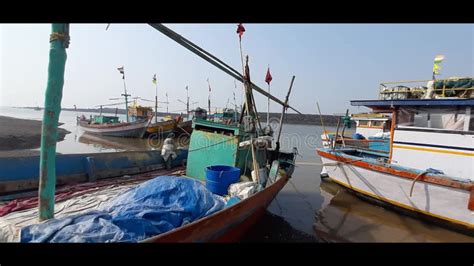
[{"x": 52, "y": 107}]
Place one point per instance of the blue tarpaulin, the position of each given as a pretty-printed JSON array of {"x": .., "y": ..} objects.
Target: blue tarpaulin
[{"x": 154, "y": 207}]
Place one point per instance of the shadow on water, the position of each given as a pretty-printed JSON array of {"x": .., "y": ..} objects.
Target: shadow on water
[{"x": 273, "y": 228}]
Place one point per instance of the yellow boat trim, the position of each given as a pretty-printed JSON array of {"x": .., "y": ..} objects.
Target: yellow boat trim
[
  {"x": 434, "y": 150},
  {"x": 401, "y": 205}
]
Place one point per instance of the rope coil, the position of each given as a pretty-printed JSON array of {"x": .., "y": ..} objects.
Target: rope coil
[{"x": 60, "y": 36}]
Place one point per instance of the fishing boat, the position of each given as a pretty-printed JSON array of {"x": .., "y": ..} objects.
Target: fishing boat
[
  {"x": 162, "y": 128},
  {"x": 138, "y": 120},
  {"x": 372, "y": 132},
  {"x": 152, "y": 205},
  {"x": 428, "y": 169},
  {"x": 226, "y": 116},
  {"x": 184, "y": 127},
  {"x": 111, "y": 126}
]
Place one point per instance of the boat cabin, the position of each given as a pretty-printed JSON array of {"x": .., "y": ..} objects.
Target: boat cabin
[
  {"x": 370, "y": 124},
  {"x": 227, "y": 116},
  {"x": 431, "y": 133},
  {"x": 139, "y": 113},
  {"x": 102, "y": 119},
  {"x": 198, "y": 113}
]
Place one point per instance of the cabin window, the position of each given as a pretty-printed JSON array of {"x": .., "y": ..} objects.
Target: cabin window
[
  {"x": 471, "y": 121},
  {"x": 387, "y": 126},
  {"x": 436, "y": 118},
  {"x": 377, "y": 123},
  {"x": 363, "y": 123}
]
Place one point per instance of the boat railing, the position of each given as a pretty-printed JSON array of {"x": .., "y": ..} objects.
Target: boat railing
[{"x": 416, "y": 89}]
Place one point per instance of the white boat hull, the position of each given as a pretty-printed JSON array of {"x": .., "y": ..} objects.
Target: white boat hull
[
  {"x": 121, "y": 130},
  {"x": 443, "y": 202}
]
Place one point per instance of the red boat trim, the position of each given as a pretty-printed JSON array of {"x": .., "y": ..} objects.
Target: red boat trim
[
  {"x": 225, "y": 225},
  {"x": 443, "y": 181},
  {"x": 470, "y": 204}
]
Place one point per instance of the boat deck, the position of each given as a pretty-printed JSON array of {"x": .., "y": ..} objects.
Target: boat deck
[{"x": 71, "y": 199}]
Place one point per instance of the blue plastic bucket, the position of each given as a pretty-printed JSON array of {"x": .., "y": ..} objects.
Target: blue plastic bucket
[{"x": 220, "y": 177}]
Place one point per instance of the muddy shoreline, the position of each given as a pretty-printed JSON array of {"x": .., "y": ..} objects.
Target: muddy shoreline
[{"x": 19, "y": 136}]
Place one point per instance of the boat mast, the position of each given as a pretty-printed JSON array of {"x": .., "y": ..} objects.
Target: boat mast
[
  {"x": 59, "y": 41},
  {"x": 277, "y": 148},
  {"x": 209, "y": 97},
  {"x": 235, "y": 102},
  {"x": 187, "y": 100},
  {"x": 125, "y": 93},
  {"x": 213, "y": 60},
  {"x": 156, "y": 100}
]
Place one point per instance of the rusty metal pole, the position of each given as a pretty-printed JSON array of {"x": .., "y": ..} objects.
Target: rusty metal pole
[{"x": 59, "y": 40}]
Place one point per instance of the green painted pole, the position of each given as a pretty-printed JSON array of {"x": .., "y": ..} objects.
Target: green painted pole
[{"x": 52, "y": 107}]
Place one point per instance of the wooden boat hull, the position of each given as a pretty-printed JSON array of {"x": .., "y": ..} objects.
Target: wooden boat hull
[
  {"x": 227, "y": 225},
  {"x": 184, "y": 128},
  {"x": 132, "y": 130},
  {"x": 21, "y": 173},
  {"x": 161, "y": 128},
  {"x": 437, "y": 198}
]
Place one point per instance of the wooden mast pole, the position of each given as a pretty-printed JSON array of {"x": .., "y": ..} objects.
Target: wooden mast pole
[
  {"x": 59, "y": 41},
  {"x": 282, "y": 117}
]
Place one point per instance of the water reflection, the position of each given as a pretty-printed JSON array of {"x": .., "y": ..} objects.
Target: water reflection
[
  {"x": 108, "y": 143},
  {"x": 349, "y": 218}
]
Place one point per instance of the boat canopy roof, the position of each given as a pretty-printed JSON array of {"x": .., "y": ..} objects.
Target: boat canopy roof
[
  {"x": 388, "y": 104},
  {"x": 370, "y": 116}
]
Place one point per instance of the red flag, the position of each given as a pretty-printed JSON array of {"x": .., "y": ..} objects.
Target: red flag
[
  {"x": 240, "y": 30},
  {"x": 268, "y": 77}
]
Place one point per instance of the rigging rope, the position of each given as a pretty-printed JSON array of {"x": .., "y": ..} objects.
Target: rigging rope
[{"x": 213, "y": 60}]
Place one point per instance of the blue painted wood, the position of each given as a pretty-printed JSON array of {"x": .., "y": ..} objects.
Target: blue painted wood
[
  {"x": 90, "y": 168},
  {"x": 24, "y": 168}
]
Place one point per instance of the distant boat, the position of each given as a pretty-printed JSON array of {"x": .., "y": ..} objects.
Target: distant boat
[
  {"x": 184, "y": 127},
  {"x": 37, "y": 108},
  {"x": 110, "y": 126},
  {"x": 162, "y": 128}
]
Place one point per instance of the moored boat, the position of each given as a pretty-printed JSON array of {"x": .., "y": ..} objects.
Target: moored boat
[
  {"x": 162, "y": 128},
  {"x": 184, "y": 127},
  {"x": 111, "y": 126},
  {"x": 428, "y": 169},
  {"x": 167, "y": 207}
]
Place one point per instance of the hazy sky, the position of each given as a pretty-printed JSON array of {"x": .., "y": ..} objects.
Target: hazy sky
[{"x": 333, "y": 63}]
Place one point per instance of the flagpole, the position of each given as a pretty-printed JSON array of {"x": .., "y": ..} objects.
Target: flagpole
[
  {"x": 187, "y": 100},
  {"x": 243, "y": 73},
  {"x": 125, "y": 94},
  {"x": 235, "y": 102},
  {"x": 209, "y": 97},
  {"x": 156, "y": 102},
  {"x": 268, "y": 106},
  {"x": 268, "y": 98}
]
